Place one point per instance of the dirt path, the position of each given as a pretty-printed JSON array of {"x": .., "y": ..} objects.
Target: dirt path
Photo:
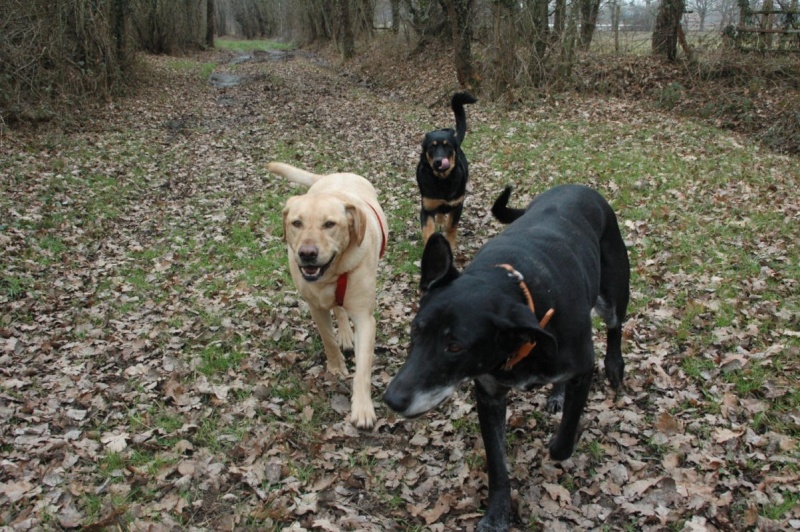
[{"x": 158, "y": 372}]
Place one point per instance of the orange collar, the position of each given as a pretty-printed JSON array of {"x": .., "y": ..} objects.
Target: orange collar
[{"x": 526, "y": 348}]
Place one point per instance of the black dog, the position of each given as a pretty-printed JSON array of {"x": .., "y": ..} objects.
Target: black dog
[
  {"x": 565, "y": 254},
  {"x": 442, "y": 174}
]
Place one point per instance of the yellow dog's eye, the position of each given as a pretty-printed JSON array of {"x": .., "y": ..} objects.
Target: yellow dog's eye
[
  {"x": 329, "y": 224},
  {"x": 297, "y": 223}
]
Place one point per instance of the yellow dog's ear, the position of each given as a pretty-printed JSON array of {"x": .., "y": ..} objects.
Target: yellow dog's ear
[
  {"x": 286, "y": 214},
  {"x": 358, "y": 223}
]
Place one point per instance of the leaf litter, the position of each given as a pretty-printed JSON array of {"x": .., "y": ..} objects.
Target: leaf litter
[{"x": 157, "y": 370}]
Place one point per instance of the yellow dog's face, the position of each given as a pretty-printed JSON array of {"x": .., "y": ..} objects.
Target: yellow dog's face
[{"x": 319, "y": 229}]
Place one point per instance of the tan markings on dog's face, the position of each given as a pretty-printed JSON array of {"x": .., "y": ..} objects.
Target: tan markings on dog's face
[{"x": 320, "y": 221}]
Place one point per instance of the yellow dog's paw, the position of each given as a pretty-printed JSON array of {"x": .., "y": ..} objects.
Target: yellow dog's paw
[
  {"x": 346, "y": 339},
  {"x": 337, "y": 366},
  {"x": 363, "y": 415}
]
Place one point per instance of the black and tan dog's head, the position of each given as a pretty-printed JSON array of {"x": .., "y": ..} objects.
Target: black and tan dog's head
[
  {"x": 468, "y": 325},
  {"x": 440, "y": 150}
]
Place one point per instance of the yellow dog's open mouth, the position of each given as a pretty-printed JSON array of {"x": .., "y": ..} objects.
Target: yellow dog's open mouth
[{"x": 312, "y": 272}]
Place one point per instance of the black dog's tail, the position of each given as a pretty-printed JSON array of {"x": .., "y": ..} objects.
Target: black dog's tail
[
  {"x": 501, "y": 211},
  {"x": 460, "y": 99}
]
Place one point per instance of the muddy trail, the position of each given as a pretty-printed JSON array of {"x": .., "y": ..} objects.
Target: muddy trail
[{"x": 160, "y": 373}]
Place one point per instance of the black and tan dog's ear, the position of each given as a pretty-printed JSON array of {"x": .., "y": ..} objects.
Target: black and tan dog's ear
[
  {"x": 437, "y": 263},
  {"x": 519, "y": 326},
  {"x": 358, "y": 223}
]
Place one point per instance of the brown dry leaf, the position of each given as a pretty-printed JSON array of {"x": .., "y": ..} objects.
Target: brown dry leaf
[
  {"x": 722, "y": 435},
  {"x": 442, "y": 506},
  {"x": 558, "y": 493}
]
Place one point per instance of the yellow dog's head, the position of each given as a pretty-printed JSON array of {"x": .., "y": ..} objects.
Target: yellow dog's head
[{"x": 319, "y": 229}]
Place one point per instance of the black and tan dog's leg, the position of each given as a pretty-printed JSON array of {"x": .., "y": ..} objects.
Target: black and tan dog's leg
[
  {"x": 492, "y": 419},
  {"x": 451, "y": 223},
  {"x": 427, "y": 217},
  {"x": 333, "y": 353}
]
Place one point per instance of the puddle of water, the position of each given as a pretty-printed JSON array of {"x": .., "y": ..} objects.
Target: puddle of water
[
  {"x": 241, "y": 59},
  {"x": 224, "y": 81}
]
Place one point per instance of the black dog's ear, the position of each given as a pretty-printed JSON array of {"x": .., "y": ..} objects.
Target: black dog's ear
[
  {"x": 437, "y": 263},
  {"x": 520, "y": 326}
]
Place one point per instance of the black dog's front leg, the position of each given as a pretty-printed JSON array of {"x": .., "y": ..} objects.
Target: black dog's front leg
[
  {"x": 492, "y": 418},
  {"x": 576, "y": 392}
]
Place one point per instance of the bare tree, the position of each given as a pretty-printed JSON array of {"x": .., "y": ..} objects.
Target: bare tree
[
  {"x": 344, "y": 30},
  {"x": 589, "y": 12},
  {"x": 210, "y": 26},
  {"x": 702, "y": 8},
  {"x": 665, "y": 33},
  {"x": 395, "y": 16},
  {"x": 458, "y": 12}
]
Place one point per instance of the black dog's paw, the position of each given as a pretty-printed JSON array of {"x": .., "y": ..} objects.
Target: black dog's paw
[
  {"x": 561, "y": 450},
  {"x": 555, "y": 401},
  {"x": 491, "y": 523},
  {"x": 615, "y": 369}
]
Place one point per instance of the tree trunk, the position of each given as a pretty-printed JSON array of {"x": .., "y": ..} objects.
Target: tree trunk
[
  {"x": 210, "y": 26},
  {"x": 541, "y": 32},
  {"x": 589, "y": 11},
  {"x": 665, "y": 33},
  {"x": 395, "y": 16},
  {"x": 345, "y": 31},
  {"x": 559, "y": 17},
  {"x": 458, "y": 13}
]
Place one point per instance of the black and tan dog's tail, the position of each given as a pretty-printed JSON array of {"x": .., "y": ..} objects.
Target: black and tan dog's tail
[
  {"x": 459, "y": 100},
  {"x": 501, "y": 211}
]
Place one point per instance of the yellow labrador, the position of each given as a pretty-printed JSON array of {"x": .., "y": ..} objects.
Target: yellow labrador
[{"x": 336, "y": 233}]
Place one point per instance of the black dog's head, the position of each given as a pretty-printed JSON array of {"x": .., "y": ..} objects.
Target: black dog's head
[
  {"x": 468, "y": 325},
  {"x": 440, "y": 151}
]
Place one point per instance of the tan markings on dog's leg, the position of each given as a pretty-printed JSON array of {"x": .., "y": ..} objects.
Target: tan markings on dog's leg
[
  {"x": 428, "y": 229},
  {"x": 322, "y": 317},
  {"x": 362, "y": 410},
  {"x": 345, "y": 335},
  {"x": 450, "y": 232}
]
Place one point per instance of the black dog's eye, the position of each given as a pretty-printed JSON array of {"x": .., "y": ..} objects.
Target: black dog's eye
[
  {"x": 329, "y": 224},
  {"x": 453, "y": 347},
  {"x": 297, "y": 223}
]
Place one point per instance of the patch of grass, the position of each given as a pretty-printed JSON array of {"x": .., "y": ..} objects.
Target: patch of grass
[
  {"x": 13, "y": 287},
  {"x": 203, "y": 70},
  {"x": 241, "y": 45},
  {"x": 218, "y": 358},
  {"x": 777, "y": 510}
]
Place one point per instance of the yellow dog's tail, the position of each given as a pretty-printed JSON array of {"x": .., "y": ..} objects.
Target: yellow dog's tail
[{"x": 292, "y": 173}]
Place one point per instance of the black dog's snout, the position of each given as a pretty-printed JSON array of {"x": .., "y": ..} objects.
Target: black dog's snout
[
  {"x": 396, "y": 399},
  {"x": 308, "y": 253}
]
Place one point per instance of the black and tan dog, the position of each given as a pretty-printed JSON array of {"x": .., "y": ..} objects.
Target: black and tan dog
[
  {"x": 519, "y": 316},
  {"x": 442, "y": 174}
]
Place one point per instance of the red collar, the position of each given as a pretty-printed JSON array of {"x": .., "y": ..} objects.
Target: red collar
[
  {"x": 526, "y": 348},
  {"x": 341, "y": 282}
]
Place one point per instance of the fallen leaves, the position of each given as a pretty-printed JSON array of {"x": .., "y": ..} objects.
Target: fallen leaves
[{"x": 158, "y": 371}]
